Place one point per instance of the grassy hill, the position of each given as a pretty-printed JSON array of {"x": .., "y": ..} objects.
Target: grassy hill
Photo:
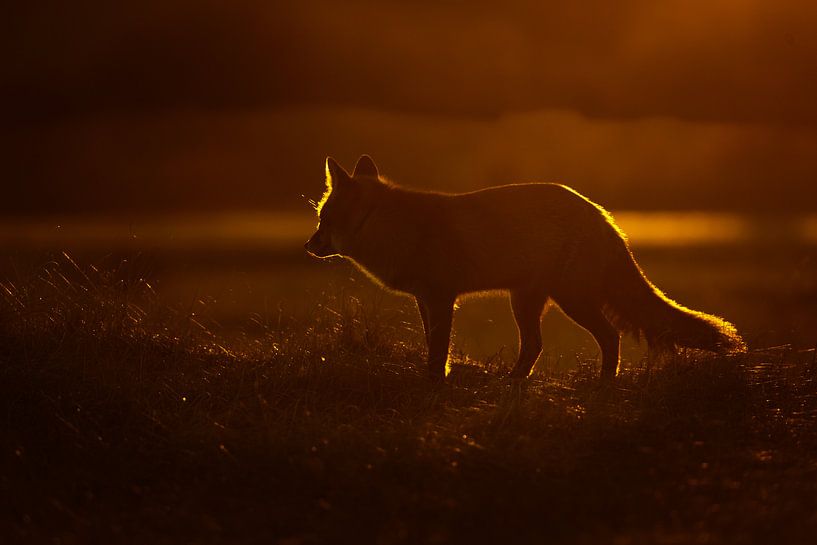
[{"x": 125, "y": 420}]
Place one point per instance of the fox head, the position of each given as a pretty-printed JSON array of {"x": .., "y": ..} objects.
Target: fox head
[{"x": 342, "y": 210}]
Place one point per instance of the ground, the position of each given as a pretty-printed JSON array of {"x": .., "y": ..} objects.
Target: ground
[{"x": 126, "y": 420}]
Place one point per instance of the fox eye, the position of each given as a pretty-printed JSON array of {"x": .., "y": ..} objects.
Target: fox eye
[{"x": 323, "y": 216}]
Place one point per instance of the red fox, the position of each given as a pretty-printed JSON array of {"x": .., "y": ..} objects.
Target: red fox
[{"x": 537, "y": 241}]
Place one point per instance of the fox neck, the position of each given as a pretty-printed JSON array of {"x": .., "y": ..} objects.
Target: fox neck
[
  {"x": 365, "y": 244},
  {"x": 376, "y": 248}
]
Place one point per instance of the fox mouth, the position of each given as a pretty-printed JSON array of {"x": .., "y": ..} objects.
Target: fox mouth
[{"x": 319, "y": 251}]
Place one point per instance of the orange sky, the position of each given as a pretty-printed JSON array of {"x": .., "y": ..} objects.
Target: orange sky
[{"x": 158, "y": 105}]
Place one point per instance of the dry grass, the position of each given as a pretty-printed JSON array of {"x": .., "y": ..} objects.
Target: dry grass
[{"x": 128, "y": 421}]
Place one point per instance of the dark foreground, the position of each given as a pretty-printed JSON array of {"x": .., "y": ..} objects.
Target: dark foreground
[{"x": 124, "y": 420}]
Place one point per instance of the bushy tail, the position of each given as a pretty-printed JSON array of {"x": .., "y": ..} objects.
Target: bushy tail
[{"x": 636, "y": 306}]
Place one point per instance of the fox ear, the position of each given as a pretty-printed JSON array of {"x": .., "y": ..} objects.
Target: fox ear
[
  {"x": 334, "y": 173},
  {"x": 365, "y": 167}
]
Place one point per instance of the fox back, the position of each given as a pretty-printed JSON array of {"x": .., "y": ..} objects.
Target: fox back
[{"x": 496, "y": 238}]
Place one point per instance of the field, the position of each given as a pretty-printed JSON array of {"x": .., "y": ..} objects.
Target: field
[{"x": 158, "y": 396}]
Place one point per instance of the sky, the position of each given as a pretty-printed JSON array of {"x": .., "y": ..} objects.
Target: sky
[{"x": 203, "y": 105}]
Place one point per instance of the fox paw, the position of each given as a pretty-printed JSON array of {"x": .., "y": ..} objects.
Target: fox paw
[{"x": 436, "y": 377}]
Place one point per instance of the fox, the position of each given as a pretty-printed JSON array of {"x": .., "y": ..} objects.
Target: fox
[{"x": 541, "y": 243}]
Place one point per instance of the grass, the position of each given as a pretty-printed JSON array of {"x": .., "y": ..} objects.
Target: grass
[{"x": 125, "y": 420}]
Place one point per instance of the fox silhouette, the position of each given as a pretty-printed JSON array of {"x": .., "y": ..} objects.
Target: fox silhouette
[{"x": 539, "y": 242}]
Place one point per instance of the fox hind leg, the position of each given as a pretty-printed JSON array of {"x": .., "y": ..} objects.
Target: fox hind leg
[
  {"x": 527, "y": 309},
  {"x": 589, "y": 316},
  {"x": 438, "y": 314}
]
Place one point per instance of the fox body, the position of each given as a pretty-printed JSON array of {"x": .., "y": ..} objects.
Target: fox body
[{"x": 538, "y": 241}]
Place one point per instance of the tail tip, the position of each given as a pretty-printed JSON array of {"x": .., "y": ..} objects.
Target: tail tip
[{"x": 731, "y": 342}]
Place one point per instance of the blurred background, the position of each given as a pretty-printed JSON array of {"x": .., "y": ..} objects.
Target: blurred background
[{"x": 193, "y": 134}]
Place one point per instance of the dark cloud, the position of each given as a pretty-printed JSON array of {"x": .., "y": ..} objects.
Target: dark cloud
[
  {"x": 727, "y": 60},
  {"x": 272, "y": 160}
]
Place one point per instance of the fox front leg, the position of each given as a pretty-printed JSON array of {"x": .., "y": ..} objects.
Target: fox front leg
[
  {"x": 527, "y": 306},
  {"x": 438, "y": 313}
]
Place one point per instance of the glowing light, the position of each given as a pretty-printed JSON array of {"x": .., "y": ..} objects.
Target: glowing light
[
  {"x": 808, "y": 229},
  {"x": 288, "y": 230},
  {"x": 683, "y": 228}
]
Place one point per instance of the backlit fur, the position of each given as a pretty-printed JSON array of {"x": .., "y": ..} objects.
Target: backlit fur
[{"x": 539, "y": 242}]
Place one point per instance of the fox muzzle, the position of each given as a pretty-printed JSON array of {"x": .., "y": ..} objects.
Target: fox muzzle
[{"x": 319, "y": 246}]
